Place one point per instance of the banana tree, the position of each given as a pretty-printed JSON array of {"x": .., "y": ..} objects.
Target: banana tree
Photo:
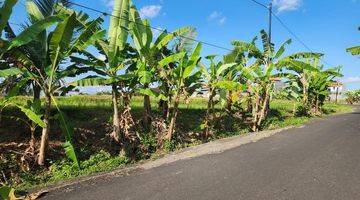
[
  {"x": 319, "y": 83},
  {"x": 261, "y": 74},
  {"x": 73, "y": 33},
  {"x": 241, "y": 57},
  {"x": 313, "y": 81},
  {"x": 123, "y": 86},
  {"x": 117, "y": 53},
  {"x": 182, "y": 81},
  {"x": 30, "y": 110},
  {"x": 150, "y": 51},
  {"x": 352, "y": 96},
  {"x": 291, "y": 92},
  {"x": 299, "y": 66},
  {"x": 34, "y": 49},
  {"x": 214, "y": 80}
]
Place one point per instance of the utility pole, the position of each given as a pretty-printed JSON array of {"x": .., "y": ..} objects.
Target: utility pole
[
  {"x": 270, "y": 21},
  {"x": 269, "y": 44}
]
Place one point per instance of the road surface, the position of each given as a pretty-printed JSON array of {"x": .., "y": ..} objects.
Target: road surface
[{"x": 318, "y": 161}]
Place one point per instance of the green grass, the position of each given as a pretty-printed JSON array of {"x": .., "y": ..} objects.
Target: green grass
[
  {"x": 65, "y": 170},
  {"x": 91, "y": 115}
]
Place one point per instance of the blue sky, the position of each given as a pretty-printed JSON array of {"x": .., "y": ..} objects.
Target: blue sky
[{"x": 327, "y": 26}]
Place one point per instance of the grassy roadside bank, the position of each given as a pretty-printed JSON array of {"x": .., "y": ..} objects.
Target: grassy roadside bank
[{"x": 90, "y": 116}]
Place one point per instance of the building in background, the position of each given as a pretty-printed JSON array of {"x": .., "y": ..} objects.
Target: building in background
[{"x": 337, "y": 90}]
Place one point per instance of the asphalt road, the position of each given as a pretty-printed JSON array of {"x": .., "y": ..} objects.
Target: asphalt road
[{"x": 318, "y": 161}]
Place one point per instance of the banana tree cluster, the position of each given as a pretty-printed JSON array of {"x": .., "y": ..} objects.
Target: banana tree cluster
[
  {"x": 216, "y": 82},
  {"x": 260, "y": 75},
  {"x": 312, "y": 80},
  {"x": 133, "y": 61},
  {"x": 182, "y": 81},
  {"x": 117, "y": 53},
  {"x": 50, "y": 48},
  {"x": 352, "y": 97},
  {"x": 149, "y": 52}
]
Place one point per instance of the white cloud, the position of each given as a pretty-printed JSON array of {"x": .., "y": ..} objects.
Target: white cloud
[
  {"x": 150, "y": 11},
  {"x": 222, "y": 20},
  {"x": 109, "y": 3},
  {"x": 218, "y": 17},
  {"x": 214, "y": 15},
  {"x": 287, "y": 5},
  {"x": 354, "y": 79}
]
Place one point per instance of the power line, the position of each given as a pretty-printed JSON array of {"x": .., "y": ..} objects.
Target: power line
[
  {"x": 282, "y": 23},
  {"x": 260, "y": 4},
  {"x": 295, "y": 36},
  {"x": 193, "y": 39},
  {"x": 291, "y": 32},
  {"x": 155, "y": 28}
]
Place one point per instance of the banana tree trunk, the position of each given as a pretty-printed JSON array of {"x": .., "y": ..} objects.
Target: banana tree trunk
[
  {"x": 206, "y": 132},
  {"x": 229, "y": 102},
  {"x": 147, "y": 111},
  {"x": 336, "y": 94},
  {"x": 36, "y": 97},
  {"x": 164, "y": 108},
  {"x": 173, "y": 118},
  {"x": 249, "y": 106},
  {"x": 116, "y": 117},
  {"x": 127, "y": 123},
  {"x": 36, "y": 92},
  {"x": 267, "y": 109},
  {"x": 305, "y": 96},
  {"x": 32, "y": 141},
  {"x": 45, "y": 131},
  {"x": 305, "y": 90},
  {"x": 263, "y": 111},
  {"x": 255, "y": 112},
  {"x": 317, "y": 105},
  {"x": 294, "y": 109}
]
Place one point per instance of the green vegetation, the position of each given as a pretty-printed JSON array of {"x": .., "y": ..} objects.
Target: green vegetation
[
  {"x": 151, "y": 109},
  {"x": 354, "y": 50},
  {"x": 94, "y": 153},
  {"x": 352, "y": 97}
]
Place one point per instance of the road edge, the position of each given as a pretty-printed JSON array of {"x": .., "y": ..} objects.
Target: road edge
[{"x": 213, "y": 147}]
